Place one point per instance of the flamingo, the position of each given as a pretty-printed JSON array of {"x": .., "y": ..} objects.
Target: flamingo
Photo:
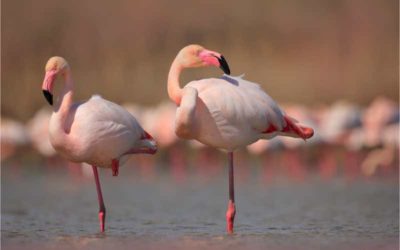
[
  {"x": 337, "y": 122},
  {"x": 13, "y": 136},
  {"x": 38, "y": 129},
  {"x": 225, "y": 113},
  {"x": 97, "y": 132}
]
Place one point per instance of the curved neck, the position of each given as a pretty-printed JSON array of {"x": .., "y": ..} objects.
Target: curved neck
[
  {"x": 64, "y": 102},
  {"x": 174, "y": 89}
]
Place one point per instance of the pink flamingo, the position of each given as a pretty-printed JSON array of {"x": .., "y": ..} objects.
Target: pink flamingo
[
  {"x": 38, "y": 129},
  {"x": 13, "y": 136},
  {"x": 225, "y": 113},
  {"x": 97, "y": 132}
]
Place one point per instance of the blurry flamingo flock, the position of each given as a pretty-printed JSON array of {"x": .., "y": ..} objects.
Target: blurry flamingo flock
[{"x": 349, "y": 139}]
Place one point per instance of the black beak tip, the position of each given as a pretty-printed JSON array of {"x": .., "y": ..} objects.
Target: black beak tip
[
  {"x": 48, "y": 96},
  {"x": 224, "y": 65}
]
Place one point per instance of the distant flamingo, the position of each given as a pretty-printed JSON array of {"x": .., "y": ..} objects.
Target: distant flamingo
[
  {"x": 13, "y": 136},
  {"x": 337, "y": 122},
  {"x": 97, "y": 131},
  {"x": 38, "y": 128},
  {"x": 227, "y": 112},
  {"x": 159, "y": 122}
]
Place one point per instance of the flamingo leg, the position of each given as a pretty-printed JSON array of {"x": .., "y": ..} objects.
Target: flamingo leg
[
  {"x": 102, "y": 208},
  {"x": 115, "y": 167},
  {"x": 230, "y": 213}
]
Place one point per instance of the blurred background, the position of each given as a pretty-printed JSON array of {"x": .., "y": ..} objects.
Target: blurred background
[
  {"x": 310, "y": 52},
  {"x": 334, "y": 65}
]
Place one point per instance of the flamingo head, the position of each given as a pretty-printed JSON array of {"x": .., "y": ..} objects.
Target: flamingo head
[
  {"x": 54, "y": 66},
  {"x": 193, "y": 56}
]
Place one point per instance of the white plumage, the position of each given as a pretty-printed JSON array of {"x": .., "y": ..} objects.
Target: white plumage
[
  {"x": 99, "y": 131},
  {"x": 229, "y": 112}
]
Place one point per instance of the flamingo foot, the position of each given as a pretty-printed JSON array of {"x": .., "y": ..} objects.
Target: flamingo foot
[
  {"x": 230, "y": 217},
  {"x": 115, "y": 167},
  {"x": 102, "y": 219}
]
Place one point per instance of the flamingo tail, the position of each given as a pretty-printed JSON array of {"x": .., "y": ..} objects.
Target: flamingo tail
[
  {"x": 301, "y": 131},
  {"x": 292, "y": 128}
]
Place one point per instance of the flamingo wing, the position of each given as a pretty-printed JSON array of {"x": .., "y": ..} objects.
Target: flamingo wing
[
  {"x": 242, "y": 111},
  {"x": 233, "y": 100},
  {"x": 103, "y": 130}
]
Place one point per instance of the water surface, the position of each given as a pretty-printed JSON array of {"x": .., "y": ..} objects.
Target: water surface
[{"x": 47, "y": 208}]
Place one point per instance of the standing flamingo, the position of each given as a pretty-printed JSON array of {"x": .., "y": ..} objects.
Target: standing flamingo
[
  {"x": 97, "y": 131},
  {"x": 225, "y": 113}
]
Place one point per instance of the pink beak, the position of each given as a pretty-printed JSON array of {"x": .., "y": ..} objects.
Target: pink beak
[
  {"x": 47, "y": 86},
  {"x": 215, "y": 59}
]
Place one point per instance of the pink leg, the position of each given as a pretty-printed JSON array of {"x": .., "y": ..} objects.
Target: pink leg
[
  {"x": 230, "y": 213},
  {"x": 102, "y": 208},
  {"x": 115, "y": 167}
]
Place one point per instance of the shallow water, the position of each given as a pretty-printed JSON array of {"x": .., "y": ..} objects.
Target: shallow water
[{"x": 46, "y": 208}]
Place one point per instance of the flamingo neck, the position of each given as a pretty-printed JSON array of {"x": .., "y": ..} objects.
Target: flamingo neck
[
  {"x": 174, "y": 89},
  {"x": 63, "y": 104}
]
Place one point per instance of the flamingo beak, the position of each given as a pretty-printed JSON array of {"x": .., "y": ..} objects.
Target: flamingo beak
[
  {"x": 224, "y": 65},
  {"x": 213, "y": 58},
  {"x": 48, "y": 85},
  {"x": 48, "y": 96}
]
